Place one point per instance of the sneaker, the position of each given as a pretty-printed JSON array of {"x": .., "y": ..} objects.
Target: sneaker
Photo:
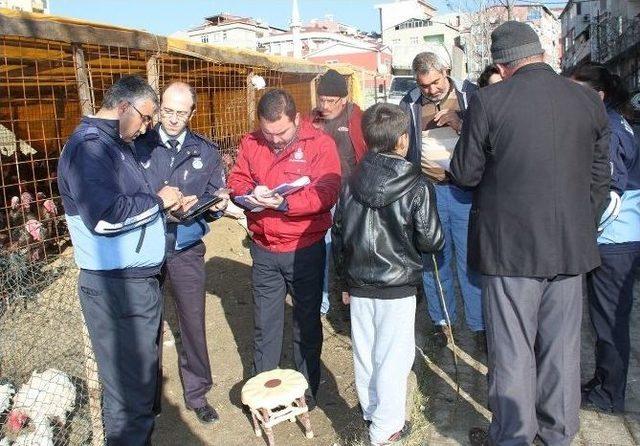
[{"x": 399, "y": 436}]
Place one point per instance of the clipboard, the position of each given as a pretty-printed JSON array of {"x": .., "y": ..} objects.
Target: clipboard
[{"x": 201, "y": 206}]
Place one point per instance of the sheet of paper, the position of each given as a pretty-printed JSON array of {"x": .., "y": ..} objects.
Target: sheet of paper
[{"x": 438, "y": 145}]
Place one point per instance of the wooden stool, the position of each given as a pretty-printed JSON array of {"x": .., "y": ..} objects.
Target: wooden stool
[{"x": 275, "y": 396}]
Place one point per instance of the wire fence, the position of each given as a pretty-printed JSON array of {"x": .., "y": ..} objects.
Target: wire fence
[{"x": 49, "y": 386}]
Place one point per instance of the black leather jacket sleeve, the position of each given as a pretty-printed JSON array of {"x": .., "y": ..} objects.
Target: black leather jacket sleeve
[{"x": 428, "y": 231}]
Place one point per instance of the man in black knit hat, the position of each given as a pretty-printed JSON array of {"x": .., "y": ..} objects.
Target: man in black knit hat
[
  {"x": 535, "y": 147},
  {"x": 340, "y": 118}
]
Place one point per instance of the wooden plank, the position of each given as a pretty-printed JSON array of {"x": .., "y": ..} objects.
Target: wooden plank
[
  {"x": 251, "y": 100},
  {"x": 153, "y": 74},
  {"x": 26, "y": 25},
  {"x": 82, "y": 80}
]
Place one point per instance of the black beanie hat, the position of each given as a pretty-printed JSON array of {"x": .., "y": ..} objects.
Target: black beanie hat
[
  {"x": 514, "y": 40},
  {"x": 332, "y": 83}
]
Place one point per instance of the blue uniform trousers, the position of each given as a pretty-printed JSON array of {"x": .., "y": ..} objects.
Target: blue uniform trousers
[{"x": 123, "y": 319}]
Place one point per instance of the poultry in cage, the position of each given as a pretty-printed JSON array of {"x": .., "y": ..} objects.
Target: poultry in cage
[
  {"x": 48, "y": 397},
  {"x": 28, "y": 234}
]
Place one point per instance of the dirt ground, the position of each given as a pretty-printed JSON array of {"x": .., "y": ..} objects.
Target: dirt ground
[
  {"x": 230, "y": 336},
  {"x": 439, "y": 415}
]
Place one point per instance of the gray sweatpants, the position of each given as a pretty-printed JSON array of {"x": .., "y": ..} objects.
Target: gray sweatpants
[
  {"x": 382, "y": 331},
  {"x": 533, "y": 335}
]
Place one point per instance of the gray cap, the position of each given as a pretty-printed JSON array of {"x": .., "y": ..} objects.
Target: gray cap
[{"x": 514, "y": 40}]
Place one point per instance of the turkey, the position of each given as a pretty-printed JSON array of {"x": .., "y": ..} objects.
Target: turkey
[
  {"x": 6, "y": 393},
  {"x": 42, "y": 435},
  {"x": 47, "y": 397}
]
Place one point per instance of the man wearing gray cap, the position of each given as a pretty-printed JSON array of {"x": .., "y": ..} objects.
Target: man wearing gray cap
[{"x": 536, "y": 148}]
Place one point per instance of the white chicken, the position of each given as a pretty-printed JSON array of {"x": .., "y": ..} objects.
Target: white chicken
[
  {"x": 47, "y": 397},
  {"x": 6, "y": 393},
  {"x": 42, "y": 435}
]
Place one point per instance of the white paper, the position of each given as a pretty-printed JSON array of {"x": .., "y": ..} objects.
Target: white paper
[{"x": 438, "y": 145}]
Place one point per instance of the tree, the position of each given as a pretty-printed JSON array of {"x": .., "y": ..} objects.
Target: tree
[{"x": 478, "y": 19}]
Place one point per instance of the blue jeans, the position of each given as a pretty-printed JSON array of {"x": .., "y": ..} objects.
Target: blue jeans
[{"x": 454, "y": 205}]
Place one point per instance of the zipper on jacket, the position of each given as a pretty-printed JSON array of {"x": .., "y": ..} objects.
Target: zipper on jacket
[{"x": 141, "y": 240}]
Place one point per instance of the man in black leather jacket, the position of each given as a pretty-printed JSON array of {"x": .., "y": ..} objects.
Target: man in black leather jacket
[{"x": 386, "y": 218}]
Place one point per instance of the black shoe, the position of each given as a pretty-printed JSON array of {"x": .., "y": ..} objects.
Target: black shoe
[
  {"x": 310, "y": 400},
  {"x": 478, "y": 437},
  {"x": 440, "y": 337},
  {"x": 206, "y": 414},
  {"x": 590, "y": 385},
  {"x": 480, "y": 341}
]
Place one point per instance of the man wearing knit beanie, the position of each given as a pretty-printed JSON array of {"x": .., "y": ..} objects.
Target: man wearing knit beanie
[
  {"x": 341, "y": 120},
  {"x": 535, "y": 147}
]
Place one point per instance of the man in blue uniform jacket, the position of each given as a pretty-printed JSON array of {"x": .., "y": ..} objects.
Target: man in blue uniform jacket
[
  {"x": 173, "y": 155},
  {"x": 116, "y": 224}
]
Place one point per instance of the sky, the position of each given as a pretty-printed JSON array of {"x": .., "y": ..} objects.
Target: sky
[{"x": 167, "y": 16}]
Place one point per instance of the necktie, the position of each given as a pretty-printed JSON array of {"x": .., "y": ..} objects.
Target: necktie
[{"x": 174, "y": 146}]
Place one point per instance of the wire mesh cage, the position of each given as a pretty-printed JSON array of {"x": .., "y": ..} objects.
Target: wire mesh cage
[
  {"x": 49, "y": 386},
  {"x": 38, "y": 109}
]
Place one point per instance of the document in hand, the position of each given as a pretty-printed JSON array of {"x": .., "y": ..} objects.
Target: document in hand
[
  {"x": 283, "y": 189},
  {"x": 438, "y": 145}
]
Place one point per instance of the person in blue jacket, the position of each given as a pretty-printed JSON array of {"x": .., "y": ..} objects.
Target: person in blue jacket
[
  {"x": 610, "y": 286},
  {"x": 116, "y": 224},
  {"x": 171, "y": 154}
]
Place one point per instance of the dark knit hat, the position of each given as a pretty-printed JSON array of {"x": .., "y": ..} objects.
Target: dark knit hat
[
  {"x": 514, "y": 40},
  {"x": 332, "y": 83}
]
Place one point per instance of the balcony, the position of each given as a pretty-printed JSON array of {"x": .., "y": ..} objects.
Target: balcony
[{"x": 613, "y": 37}]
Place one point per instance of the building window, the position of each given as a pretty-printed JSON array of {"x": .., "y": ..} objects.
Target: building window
[
  {"x": 414, "y": 23},
  {"x": 413, "y": 40},
  {"x": 204, "y": 38},
  {"x": 578, "y": 8},
  {"x": 395, "y": 41},
  {"x": 224, "y": 36},
  {"x": 534, "y": 13},
  {"x": 437, "y": 38}
]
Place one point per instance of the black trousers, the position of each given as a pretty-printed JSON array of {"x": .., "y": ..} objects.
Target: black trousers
[
  {"x": 123, "y": 319},
  {"x": 301, "y": 273},
  {"x": 610, "y": 300},
  {"x": 185, "y": 270}
]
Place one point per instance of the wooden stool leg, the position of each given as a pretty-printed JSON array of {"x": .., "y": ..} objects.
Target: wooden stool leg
[
  {"x": 256, "y": 424},
  {"x": 304, "y": 419},
  {"x": 269, "y": 433},
  {"x": 267, "y": 430}
]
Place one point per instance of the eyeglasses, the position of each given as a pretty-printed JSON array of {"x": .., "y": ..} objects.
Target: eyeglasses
[
  {"x": 180, "y": 114},
  {"x": 146, "y": 119},
  {"x": 328, "y": 101}
]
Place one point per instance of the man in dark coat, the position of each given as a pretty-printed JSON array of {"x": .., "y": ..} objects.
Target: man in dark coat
[{"x": 536, "y": 146}]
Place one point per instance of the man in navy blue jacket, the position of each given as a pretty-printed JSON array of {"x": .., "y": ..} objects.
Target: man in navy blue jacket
[
  {"x": 173, "y": 155},
  {"x": 116, "y": 223}
]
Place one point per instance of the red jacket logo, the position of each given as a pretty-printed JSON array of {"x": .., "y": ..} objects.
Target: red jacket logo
[{"x": 298, "y": 156}]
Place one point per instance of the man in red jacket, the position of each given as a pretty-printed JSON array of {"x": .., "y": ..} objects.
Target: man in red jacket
[
  {"x": 288, "y": 248},
  {"x": 341, "y": 119}
]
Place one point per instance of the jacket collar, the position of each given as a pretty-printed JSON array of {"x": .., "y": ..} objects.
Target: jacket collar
[
  {"x": 190, "y": 141},
  {"x": 306, "y": 130},
  {"x": 110, "y": 127},
  {"x": 416, "y": 93},
  {"x": 534, "y": 67}
]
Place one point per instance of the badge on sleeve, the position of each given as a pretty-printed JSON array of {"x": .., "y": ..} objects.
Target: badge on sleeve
[{"x": 197, "y": 163}]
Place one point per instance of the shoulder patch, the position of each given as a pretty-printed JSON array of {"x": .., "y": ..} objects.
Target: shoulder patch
[{"x": 90, "y": 133}]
